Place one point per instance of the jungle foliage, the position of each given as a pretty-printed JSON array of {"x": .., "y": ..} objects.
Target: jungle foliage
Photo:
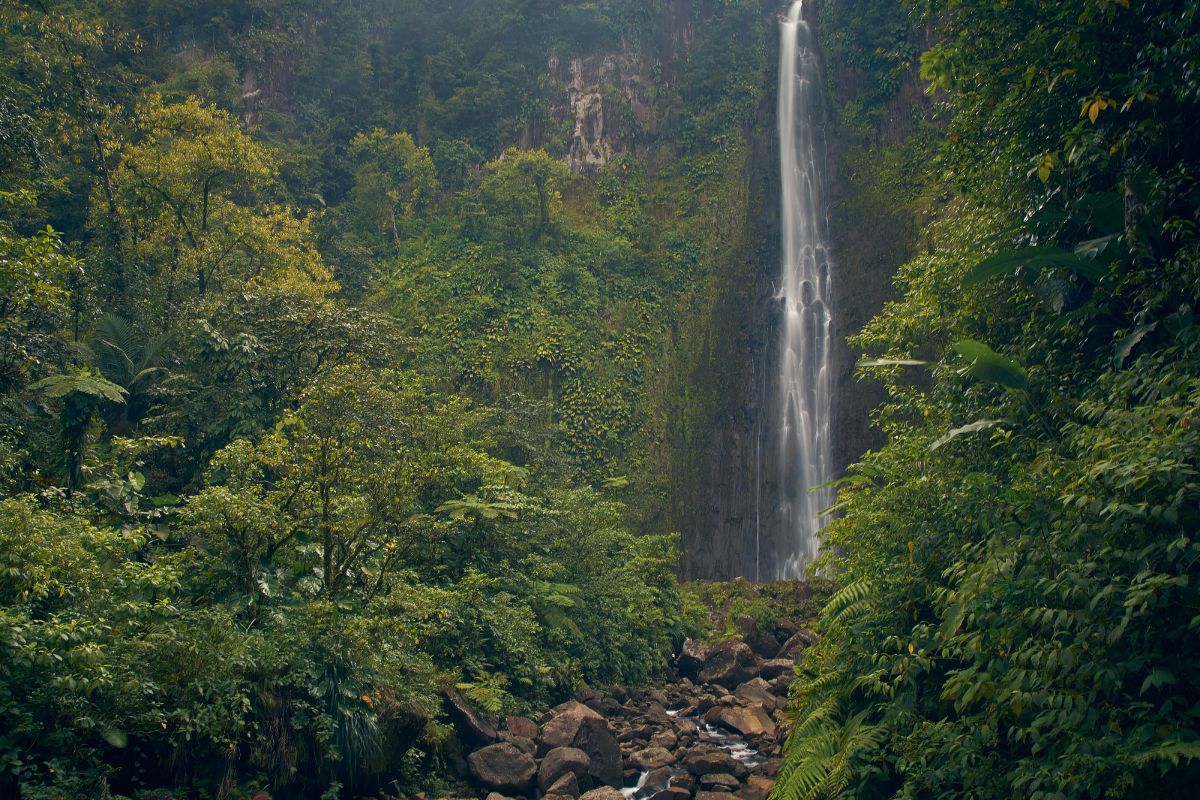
[
  {"x": 1019, "y": 564},
  {"x": 321, "y": 394}
]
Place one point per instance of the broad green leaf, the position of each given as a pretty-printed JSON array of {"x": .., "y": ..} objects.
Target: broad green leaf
[
  {"x": 1158, "y": 677},
  {"x": 93, "y": 385},
  {"x": 891, "y": 362},
  {"x": 114, "y": 737},
  {"x": 1126, "y": 345},
  {"x": 990, "y": 367},
  {"x": 974, "y": 427},
  {"x": 1099, "y": 250},
  {"x": 1030, "y": 258}
]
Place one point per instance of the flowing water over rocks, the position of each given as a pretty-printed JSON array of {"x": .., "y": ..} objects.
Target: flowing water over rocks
[{"x": 714, "y": 732}]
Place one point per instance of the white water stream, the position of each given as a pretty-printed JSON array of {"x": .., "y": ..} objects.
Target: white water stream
[{"x": 801, "y": 429}]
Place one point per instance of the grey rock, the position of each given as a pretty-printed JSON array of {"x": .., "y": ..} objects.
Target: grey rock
[
  {"x": 503, "y": 768},
  {"x": 475, "y": 727},
  {"x": 729, "y": 663},
  {"x": 563, "y": 761},
  {"x": 603, "y": 793},
  {"x": 652, "y": 758}
]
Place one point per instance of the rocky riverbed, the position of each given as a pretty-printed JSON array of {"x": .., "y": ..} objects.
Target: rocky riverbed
[{"x": 713, "y": 732}]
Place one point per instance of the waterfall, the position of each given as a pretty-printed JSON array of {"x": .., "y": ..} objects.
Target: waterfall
[{"x": 803, "y": 402}]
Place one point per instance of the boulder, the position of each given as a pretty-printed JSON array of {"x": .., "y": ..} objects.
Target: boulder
[
  {"x": 656, "y": 780},
  {"x": 719, "y": 781},
  {"x": 708, "y": 762},
  {"x": 522, "y": 726},
  {"x": 564, "y": 761},
  {"x": 746, "y": 626},
  {"x": 565, "y": 786},
  {"x": 520, "y": 742},
  {"x": 603, "y": 793},
  {"x": 757, "y": 691},
  {"x": 775, "y": 667},
  {"x": 729, "y": 663},
  {"x": 657, "y": 714},
  {"x": 715, "y": 796},
  {"x": 563, "y": 725},
  {"x": 691, "y": 658},
  {"x": 594, "y": 737},
  {"x": 798, "y": 641},
  {"x": 672, "y": 793},
  {"x": 664, "y": 738},
  {"x": 476, "y": 728},
  {"x": 746, "y": 720},
  {"x": 497, "y": 796},
  {"x": 756, "y": 788},
  {"x": 652, "y": 758},
  {"x": 503, "y": 768},
  {"x": 781, "y": 685}
]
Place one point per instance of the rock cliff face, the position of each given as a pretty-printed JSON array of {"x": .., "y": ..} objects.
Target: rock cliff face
[
  {"x": 721, "y": 492},
  {"x": 728, "y": 487}
]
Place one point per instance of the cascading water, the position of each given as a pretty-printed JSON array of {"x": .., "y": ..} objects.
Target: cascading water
[{"x": 803, "y": 403}]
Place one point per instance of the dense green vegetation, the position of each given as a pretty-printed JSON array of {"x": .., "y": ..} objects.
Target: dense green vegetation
[
  {"x": 320, "y": 395},
  {"x": 1019, "y": 568},
  {"x": 327, "y": 386}
]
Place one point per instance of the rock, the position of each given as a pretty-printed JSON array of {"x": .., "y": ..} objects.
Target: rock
[
  {"x": 719, "y": 781},
  {"x": 656, "y": 780},
  {"x": 775, "y": 667},
  {"x": 781, "y": 685},
  {"x": 503, "y": 768},
  {"x": 564, "y": 761},
  {"x": 746, "y": 720},
  {"x": 497, "y": 796},
  {"x": 603, "y": 793},
  {"x": 672, "y": 793},
  {"x": 566, "y": 786},
  {"x": 691, "y": 658},
  {"x": 475, "y": 727},
  {"x": 664, "y": 738},
  {"x": 594, "y": 737},
  {"x": 799, "y": 640},
  {"x": 756, "y": 788},
  {"x": 658, "y": 715},
  {"x": 686, "y": 781},
  {"x": 715, "y": 796},
  {"x": 652, "y": 758},
  {"x": 757, "y": 691},
  {"x": 745, "y": 625},
  {"x": 520, "y": 742},
  {"x": 563, "y": 726},
  {"x": 708, "y": 762},
  {"x": 658, "y": 696},
  {"x": 522, "y": 726},
  {"x": 729, "y": 663}
]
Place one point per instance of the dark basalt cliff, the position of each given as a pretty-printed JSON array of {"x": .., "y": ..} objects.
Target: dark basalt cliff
[{"x": 726, "y": 485}]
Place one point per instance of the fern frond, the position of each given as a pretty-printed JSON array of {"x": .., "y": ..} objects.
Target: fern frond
[{"x": 849, "y": 603}]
